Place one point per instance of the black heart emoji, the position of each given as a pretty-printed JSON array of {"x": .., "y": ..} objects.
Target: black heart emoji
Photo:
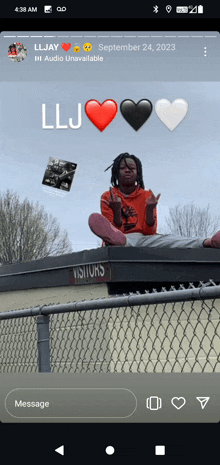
[{"x": 136, "y": 114}]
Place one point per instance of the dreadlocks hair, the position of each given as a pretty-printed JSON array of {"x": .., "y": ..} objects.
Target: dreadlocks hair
[{"x": 115, "y": 169}]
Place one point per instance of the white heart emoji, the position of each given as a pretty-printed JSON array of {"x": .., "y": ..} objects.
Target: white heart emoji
[{"x": 171, "y": 114}]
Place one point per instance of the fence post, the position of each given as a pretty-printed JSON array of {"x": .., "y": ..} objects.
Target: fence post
[{"x": 43, "y": 343}]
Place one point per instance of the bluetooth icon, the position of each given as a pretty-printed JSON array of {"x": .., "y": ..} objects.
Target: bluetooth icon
[{"x": 155, "y": 9}]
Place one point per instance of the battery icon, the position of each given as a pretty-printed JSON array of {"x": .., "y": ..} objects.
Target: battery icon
[
  {"x": 200, "y": 9},
  {"x": 182, "y": 9}
]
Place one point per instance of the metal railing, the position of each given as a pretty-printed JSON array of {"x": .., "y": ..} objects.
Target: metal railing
[{"x": 167, "y": 331}]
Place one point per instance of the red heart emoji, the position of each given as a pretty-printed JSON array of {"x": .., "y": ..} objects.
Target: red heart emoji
[
  {"x": 66, "y": 47},
  {"x": 101, "y": 115}
]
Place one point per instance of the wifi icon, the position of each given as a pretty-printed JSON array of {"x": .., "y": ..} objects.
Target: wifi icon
[{"x": 203, "y": 401}]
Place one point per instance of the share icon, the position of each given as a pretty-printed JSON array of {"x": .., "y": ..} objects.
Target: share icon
[{"x": 203, "y": 401}]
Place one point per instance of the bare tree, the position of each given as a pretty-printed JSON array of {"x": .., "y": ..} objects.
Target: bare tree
[
  {"x": 27, "y": 232},
  {"x": 192, "y": 221}
]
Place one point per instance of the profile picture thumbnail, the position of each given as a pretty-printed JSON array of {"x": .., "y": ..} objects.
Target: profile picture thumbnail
[
  {"x": 17, "y": 51},
  {"x": 59, "y": 174}
]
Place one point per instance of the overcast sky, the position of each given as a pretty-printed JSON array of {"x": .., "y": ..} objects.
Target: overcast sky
[{"x": 182, "y": 165}]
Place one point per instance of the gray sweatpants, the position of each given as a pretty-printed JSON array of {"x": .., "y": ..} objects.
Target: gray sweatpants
[{"x": 163, "y": 240}]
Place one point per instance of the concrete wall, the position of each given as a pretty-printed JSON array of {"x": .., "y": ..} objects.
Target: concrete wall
[
  {"x": 16, "y": 300},
  {"x": 18, "y": 337},
  {"x": 180, "y": 337},
  {"x": 163, "y": 338}
]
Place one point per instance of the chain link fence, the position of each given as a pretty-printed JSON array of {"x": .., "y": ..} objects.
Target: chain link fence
[{"x": 170, "y": 331}]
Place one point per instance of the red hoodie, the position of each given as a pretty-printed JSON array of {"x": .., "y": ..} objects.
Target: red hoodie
[{"x": 132, "y": 211}]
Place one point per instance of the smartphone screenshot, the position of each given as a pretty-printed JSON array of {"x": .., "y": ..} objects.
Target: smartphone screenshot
[{"x": 109, "y": 233}]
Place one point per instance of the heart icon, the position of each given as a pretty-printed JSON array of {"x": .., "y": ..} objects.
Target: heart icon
[
  {"x": 136, "y": 114},
  {"x": 171, "y": 114},
  {"x": 178, "y": 402},
  {"x": 66, "y": 47},
  {"x": 101, "y": 115}
]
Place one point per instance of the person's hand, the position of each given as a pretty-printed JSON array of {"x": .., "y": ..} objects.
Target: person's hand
[
  {"x": 114, "y": 202},
  {"x": 153, "y": 200}
]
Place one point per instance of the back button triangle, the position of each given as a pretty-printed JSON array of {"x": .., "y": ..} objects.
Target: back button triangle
[{"x": 60, "y": 450}]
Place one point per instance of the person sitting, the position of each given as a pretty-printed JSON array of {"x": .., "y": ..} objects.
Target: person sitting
[
  {"x": 129, "y": 214},
  {"x": 12, "y": 50}
]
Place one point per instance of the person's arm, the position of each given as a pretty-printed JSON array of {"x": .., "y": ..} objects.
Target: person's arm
[
  {"x": 65, "y": 175},
  {"x": 114, "y": 205},
  {"x": 117, "y": 215},
  {"x": 151, "y": 204},
  {"x": 150, "y": 220}
]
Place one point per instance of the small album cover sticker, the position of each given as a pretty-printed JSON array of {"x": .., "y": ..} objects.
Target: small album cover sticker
[
  {"x": 17, "y": 51},
  {"x": 59, "y": 174}
]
